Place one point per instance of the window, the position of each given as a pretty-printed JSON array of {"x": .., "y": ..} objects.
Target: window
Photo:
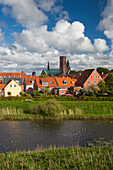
[
  {"x": 10, "y": 85},
  {"x": 50, "y": 82},
  {"x": 95, "y": 82},
  {"x": 95, "y": 76},
  {"x": 94, "y": 71},
  {"x": 91, "y": 76},
  {"x": 44, "y": 83},
  {"x": 88, "y": 82},
  {"x": 98, "y": 76},
  {"x": 62, "y": 91},
  {"x": 9, "y": 93},
  {"x": 64, "y": 82},
  {"x": 14, "y": 85}
]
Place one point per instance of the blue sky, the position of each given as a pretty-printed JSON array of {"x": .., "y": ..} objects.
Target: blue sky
[{"x": 33, "y": 32}]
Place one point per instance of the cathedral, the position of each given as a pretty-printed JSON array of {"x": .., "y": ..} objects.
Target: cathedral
[{"x": 64, "y": 69}]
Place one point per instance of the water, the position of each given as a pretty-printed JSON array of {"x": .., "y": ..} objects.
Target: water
[{"x": 32, "y": 135}]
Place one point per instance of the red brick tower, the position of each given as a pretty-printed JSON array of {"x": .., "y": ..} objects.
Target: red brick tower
[{"x": 63, "y": 66}]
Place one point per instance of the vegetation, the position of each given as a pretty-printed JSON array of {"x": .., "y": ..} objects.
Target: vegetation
[
  {"x": 72, "y": 72},
  {"x": 102, "y": 70},
  {"x": 69, "y": 158},
  {"x": 103, "y": 87},
  {"x": 63, "y": 109},
  {"x": 45, "y": 90},
  {"x": 109, "y": 82},
  {"x": 51, "y": 108},
  {"x": 43, "y": 76},
  {"x": 90, "y": 90}
]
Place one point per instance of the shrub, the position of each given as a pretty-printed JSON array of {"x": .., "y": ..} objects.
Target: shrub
[{"x": 50, "y": 108}]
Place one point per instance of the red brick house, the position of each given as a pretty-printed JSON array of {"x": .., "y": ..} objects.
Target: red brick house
[
  {"x": 63, "y": 85},
  {"x": 88, "y": 77},
  {"x": 49, "y": 82}
]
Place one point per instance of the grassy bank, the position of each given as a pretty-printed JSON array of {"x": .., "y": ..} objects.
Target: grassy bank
[
  {"x": 73, "y": 110},
  {"x": 69, "y": 158}
]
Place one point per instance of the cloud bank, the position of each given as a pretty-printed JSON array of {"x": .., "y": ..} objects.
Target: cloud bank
[{"x": 36, "y": 45}]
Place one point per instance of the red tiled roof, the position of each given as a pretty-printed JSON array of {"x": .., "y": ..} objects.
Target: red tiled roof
[
  {"x": 70, "y": 82},
  {"x": 7, "y": 74},
  {"x": 29, "y": 79},
  {"x": 51, "y": 82},
  {"x": 84, "y": 76},
  {"x": 2, "y": 86}
]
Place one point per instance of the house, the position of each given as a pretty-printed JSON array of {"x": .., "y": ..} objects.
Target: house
[
  {"x": 63, "y": 70},
  {"x": 87, "y": 78},
  {"x": 63, "y": 85},
  {"x": 9, "y": 75},
  {"x": 49, "y": 82},
  {"x": 10, "y": 89}
]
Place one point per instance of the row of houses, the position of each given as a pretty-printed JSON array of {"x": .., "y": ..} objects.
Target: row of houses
[{"x": 11, "y": 84}]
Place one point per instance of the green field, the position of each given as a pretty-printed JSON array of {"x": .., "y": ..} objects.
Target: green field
[
  {"x": 73, "y": 110},
  {"x": 54, "y": 159}
]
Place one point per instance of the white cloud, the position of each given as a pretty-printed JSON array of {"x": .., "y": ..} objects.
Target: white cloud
[
  {"x": 106, "y": 23},
  {"x": 100, "y": 45},
  {"x": 46, "y": 5},
  {"x": 25, "y": 12},
  {"x": 35, "y": 45}
]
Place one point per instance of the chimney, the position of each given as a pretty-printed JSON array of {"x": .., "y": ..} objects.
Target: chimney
[
  {"x": 63, "y": 64},
  {"x": 33, "y": 73}
]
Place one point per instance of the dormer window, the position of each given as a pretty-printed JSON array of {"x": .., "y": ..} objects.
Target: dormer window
[{"x": 64, "y": 82}]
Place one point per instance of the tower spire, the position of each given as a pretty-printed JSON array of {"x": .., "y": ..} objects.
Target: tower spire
[{"x": 48, "y": 67}]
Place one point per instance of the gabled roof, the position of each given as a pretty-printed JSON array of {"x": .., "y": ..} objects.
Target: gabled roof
[
  {"x": 84, "y": 76},
  {"x": 51, "y": 82},
  {"x": 69, "y": 81}
]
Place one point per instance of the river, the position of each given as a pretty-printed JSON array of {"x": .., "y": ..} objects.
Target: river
[{"x": 32, "y": 135}]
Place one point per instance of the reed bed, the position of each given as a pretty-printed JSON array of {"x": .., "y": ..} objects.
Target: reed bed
[{"x": 94, "y": 158}]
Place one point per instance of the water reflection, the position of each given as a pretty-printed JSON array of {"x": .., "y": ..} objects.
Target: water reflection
[{"x": 29, "y": 135}]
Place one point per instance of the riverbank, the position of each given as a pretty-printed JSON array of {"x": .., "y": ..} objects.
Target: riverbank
[
  {"x": 73, "y": 110},
  {"x": 69, "y": 158}
]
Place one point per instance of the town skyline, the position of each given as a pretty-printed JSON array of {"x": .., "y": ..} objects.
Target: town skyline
[{"x": 33, "y": 32}]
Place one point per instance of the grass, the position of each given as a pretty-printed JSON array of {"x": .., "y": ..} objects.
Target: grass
[
  {"x": 73, "y": 110},
  {"x": 54, "y": 159}
]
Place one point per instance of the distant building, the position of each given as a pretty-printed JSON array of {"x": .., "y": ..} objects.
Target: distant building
[{"x": 64, "y": 69}]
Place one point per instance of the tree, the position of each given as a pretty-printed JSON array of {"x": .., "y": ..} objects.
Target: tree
[
  {"x": 43, "y": 76},
  {"x": 103, "y": 87},
  {"x": 109, "y": 81},
  {"x": 101, "y": 70},
  {"x": 90, "y": 90},
  {"x": 72, "y": 72},
  {"x": 45, "y": 90}
]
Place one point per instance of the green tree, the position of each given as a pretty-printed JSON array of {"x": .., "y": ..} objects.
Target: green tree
[
  {"x": 109, "y": 81},
  {"x": 102, "y": 70},
  {"x": 43, "y": 76},
  {"x": 72, "y": 72},
  {"x": 103, "y": 87}
]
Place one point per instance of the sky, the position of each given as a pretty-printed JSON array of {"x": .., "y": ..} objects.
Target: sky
[{"x": 33, "y": 32}]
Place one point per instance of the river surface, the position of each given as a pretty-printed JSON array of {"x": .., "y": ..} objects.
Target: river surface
[{"x": 32, "y": 135}]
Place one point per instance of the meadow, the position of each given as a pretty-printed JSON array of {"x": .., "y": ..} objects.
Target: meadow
[{"x": 72, "y": 110}]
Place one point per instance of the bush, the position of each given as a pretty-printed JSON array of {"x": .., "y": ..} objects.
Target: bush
[{"x": 50, "y": 108}]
